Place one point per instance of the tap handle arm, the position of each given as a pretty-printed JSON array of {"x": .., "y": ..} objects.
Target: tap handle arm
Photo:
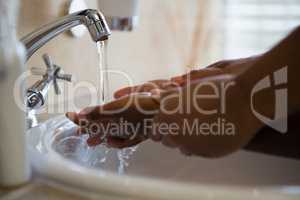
[{"x": 48, "y": 62}]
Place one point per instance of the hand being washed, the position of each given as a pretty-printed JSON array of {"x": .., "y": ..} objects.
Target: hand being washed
[
  {"x": 122, "y": 122},
  {"x": 176, "y": 134},
  {"x": 131, "y": 103}
]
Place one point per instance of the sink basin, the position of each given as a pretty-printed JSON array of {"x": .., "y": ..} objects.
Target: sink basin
[{"x": 154, "y": 171}]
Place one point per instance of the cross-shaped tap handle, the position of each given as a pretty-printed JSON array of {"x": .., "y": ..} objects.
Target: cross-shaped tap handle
[{"x": 52, "y": 73}]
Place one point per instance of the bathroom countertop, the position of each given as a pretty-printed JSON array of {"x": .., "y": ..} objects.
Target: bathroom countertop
[{"x": 37, "y": 190}]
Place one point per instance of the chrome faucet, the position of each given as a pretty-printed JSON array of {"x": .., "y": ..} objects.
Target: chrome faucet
[
  {"x": 92, "y": 19},
  {"x": 99, "y": 31}
]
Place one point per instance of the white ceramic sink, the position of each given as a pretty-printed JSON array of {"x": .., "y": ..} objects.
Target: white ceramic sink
[{"x": 156, "y": 172}]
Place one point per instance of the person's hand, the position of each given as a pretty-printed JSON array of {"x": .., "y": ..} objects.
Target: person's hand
[
  {"x": 120, "y": 123},
  {"x": 133, "y": 105},
  {"x": 237, "y": 112},
  {"x": 160, "y": 91}
]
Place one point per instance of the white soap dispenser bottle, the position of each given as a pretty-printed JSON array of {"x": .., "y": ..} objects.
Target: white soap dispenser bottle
[{"x": 14, "y": 164}]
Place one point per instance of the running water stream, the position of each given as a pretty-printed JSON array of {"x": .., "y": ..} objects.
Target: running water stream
[
  {"x": 123, "y": 155},
  {"x": 102, "y": 73}
]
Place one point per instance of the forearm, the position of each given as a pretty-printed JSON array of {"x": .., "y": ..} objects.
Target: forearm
[
  {"x": 284, "y": 55},
  {"x": 269, "y": 141}
]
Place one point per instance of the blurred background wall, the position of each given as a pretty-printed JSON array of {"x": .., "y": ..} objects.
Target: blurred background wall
[{"x": 173, "y": 36}]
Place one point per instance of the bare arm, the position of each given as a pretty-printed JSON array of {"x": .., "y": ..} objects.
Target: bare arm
[{"x": 285, "y": 54}]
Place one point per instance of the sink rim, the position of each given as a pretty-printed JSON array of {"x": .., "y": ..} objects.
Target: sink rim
[{"x": 53, "y": 166}]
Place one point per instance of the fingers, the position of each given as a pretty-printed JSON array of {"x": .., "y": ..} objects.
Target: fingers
[
  {"x": 106, "y": 110},
  {"x": 98, "y": 112},
  {"x": 151, "y": 86},
  {"x": 94, "y": 141},
  {"x": 118, "y": 107},
  {"x": 178, "y": 79},
  {"x": 73, "y": 117},
  {"x": 221, "y": 64},
  {"x": 147, "y": 87},
  {"x": 125, "y": 91},
  {"x": 203, "y": 73},
  {"x": 95, "y": 120},
  {"x": 135, "y": 103},
  {"x": 85, "y": 114},
  {"x": 211, "y": 70},
  {"x": 87, "y": 111}
]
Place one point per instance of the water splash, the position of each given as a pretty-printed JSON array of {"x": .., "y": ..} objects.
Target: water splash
[
  {"x": 124, "y": 156},
  {"x": 74, "y": 148}
]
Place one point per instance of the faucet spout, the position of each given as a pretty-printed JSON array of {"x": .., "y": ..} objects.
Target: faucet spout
[{"x": 92, "y": 19}]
